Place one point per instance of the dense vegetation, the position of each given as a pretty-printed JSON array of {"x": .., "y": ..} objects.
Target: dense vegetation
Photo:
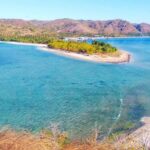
[
  {"x": 27, "y": 39},
  {"x": 82, "y": 47}
]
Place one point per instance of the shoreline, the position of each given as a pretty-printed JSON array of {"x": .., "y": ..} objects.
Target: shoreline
[
  {"x": 138, "y": 137},
  {"x": 124, "y": 56},
  {"x": 143, "y": 131},
  {"x": 103, "y": 37}
]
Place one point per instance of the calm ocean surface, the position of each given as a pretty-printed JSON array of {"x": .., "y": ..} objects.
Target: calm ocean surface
[{"x": 38, "y": 88}]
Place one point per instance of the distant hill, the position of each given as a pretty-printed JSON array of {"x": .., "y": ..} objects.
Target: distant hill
[{"x": 70, "y": 27}]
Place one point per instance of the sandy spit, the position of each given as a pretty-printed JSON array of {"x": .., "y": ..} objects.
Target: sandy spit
[{"x": 121, "y": 58}]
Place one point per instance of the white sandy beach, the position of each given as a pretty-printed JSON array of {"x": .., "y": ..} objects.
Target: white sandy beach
[{"x": 123, "y": 56}]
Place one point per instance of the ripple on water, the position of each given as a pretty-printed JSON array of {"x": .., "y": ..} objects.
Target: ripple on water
[{"x": 39, "y": 88}]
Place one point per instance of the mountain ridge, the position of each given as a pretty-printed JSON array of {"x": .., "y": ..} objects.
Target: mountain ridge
[{"x": 72, "y": 27}]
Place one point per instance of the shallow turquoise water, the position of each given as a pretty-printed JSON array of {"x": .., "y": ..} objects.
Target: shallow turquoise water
[{"x": 38, "y": 88}]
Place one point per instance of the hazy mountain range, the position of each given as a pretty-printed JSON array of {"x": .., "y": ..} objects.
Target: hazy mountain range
[{"x": 70, "y": 27}]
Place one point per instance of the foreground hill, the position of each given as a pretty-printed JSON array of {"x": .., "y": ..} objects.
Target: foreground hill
[
  {"x": 54, "y": 139},
  {"x": 69, "y": 27}
]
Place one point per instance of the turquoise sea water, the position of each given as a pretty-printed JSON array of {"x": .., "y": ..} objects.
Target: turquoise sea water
[{"x": 38, "y": 88}]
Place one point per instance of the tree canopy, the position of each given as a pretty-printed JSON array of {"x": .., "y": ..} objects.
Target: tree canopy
[{"x": 82, "y": 47}]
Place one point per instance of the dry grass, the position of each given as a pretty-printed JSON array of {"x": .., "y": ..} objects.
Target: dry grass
[
  {"x": 10, "y": 140},
  {"x": 55, "y": 140},
  {"x": 46, "y": 140}
]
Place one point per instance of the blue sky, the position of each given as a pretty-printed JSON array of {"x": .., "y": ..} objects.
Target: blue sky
[{"x": 131, "y": 10}]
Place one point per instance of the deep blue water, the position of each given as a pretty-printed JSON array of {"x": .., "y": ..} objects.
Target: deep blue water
[{"x": 38, "y": 88}]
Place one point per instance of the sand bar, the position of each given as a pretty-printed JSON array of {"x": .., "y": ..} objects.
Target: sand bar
[{"x": 121, "y": 58}]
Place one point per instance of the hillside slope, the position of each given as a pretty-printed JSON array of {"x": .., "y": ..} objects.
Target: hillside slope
[{"x": 69, "y": 27}]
